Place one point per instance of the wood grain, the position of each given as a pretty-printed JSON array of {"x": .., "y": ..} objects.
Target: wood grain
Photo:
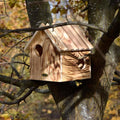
[{"x": 52, "y": 56}]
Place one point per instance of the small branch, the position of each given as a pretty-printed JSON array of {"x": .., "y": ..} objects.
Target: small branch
[
  {"x": 22, "y": 63},
  {"x": 77, "y": 50},
  {"x": 7, "y": 95},
  {"x": 108, "y": 38},
  {"x": 2, "y": 109},
  {"x": 17, "y": 101},
  {"x": 12, "y": 61},
  {"x": 116, "y": 80},
  {"x": 115, "y": 83},
  {"x": 4, "y": 63},
  {"x": 5, "y": 8},
  {"x": 16, "y": 44},
  {"x": 21, "y": 91},
  {"x": 7, "y": 31},
  {"x": 16, "y": 72},
  {"x": 117, "y": 73},
  {"x": 43, "y": 91}
]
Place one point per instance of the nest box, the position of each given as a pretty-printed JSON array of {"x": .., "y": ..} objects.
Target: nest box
[{"x": 60, "y": 54}]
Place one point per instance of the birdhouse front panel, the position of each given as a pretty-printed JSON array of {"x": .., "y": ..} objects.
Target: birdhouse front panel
[
  {"x": 60, "y": 54},
  {"x": 44, "y": 59}
]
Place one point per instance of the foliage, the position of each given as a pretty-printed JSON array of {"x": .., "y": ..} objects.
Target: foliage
[
  {"x": 112, "y": 111},
  {"x": 64, "y": 6},
  {"x": 11, "y": 44},
  {"x": 37, "y": 107},
  {"x": 70, "y": 9},
  {"x": 13, "y": 16},
  {"x": 13, "y": 3}
]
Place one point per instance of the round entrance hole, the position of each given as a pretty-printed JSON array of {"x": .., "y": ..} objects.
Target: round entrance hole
[
  {"x": 81, "y": 63},
  {"x": 38, "y": 50}
]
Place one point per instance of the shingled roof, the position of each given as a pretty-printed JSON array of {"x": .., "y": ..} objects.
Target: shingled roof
[{"x": 66, "y": 38}]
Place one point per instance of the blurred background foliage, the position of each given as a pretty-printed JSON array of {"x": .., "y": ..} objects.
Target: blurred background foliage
[{"x": 13, "y": 15}]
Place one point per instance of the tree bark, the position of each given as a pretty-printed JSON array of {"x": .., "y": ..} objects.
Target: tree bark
[
  {"x": 88, "y": 101},
  {"x": 38, "y": 12}
]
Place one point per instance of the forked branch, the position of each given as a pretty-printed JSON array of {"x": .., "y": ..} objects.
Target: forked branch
[{"x": 17, "y": 101}]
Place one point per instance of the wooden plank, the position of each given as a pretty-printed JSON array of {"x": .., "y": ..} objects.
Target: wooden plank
[
  {"x": 52, "y": 39},
  {"x": 65, "y": 38},
  {"x": 74, "y": 37},
  {"x": 82, "y": 36},
  {"x": 58, "y": 35},
  {"x": 55, "y": 39}
]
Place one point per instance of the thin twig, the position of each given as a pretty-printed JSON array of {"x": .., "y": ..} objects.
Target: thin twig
[
  {"x": 12, "y": 65},
  {"x": 6, "y": 94},
  {"x": 5, "y": 8},
  {"x": 16, "y": 45},
  {"x": 20, "y": 92}
]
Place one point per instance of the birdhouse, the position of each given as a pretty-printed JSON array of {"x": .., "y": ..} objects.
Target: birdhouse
[{"x": 60, "y": 54}]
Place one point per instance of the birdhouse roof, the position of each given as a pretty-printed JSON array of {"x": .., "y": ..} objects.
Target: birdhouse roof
[{"x": 66, "y": 38}]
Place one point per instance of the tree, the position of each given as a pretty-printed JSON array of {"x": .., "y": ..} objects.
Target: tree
[{"x": 88, "y": 101}]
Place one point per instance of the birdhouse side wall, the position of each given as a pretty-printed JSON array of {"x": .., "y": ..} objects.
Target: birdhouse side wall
[{"x": 75, "y": 66}]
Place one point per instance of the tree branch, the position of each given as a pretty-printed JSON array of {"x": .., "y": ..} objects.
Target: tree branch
[
  {"x": 117, "y": 73},
  {"x": 103, "y": 46},
  {"x": 17, "y": 101},
  {"x": 108, "y": 37},
  {"x": 16, "y": 45},
  {"x": 7, "y": 31},
  {"x": 18, "y": 62},
  {"x": 21, "y": 83},
  {"x": 8, "y": 95},
  {"x": 116, "y": 80},
  {"x": 43, "y": 91}
]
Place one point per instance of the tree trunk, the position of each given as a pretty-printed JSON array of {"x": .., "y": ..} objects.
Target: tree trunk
[
  {"x": 38, "y": 12},
  {"x": 88, "y": 101}
]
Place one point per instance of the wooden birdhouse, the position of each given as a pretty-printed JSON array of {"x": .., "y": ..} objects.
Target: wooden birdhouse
[{"x": 60, "y": 54}]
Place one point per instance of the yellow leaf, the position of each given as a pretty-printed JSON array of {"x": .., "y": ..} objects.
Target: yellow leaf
[
  {"x": 5, "y": 116},
  {"x": 117, "y": 41},
  {"x": 55, "y": 10},
  {"x": 63, "y": 11},
  {"x": 57, "y": 0},
  {"x": 12, "y": 3},
  {"x": 49, "y": 111}
]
